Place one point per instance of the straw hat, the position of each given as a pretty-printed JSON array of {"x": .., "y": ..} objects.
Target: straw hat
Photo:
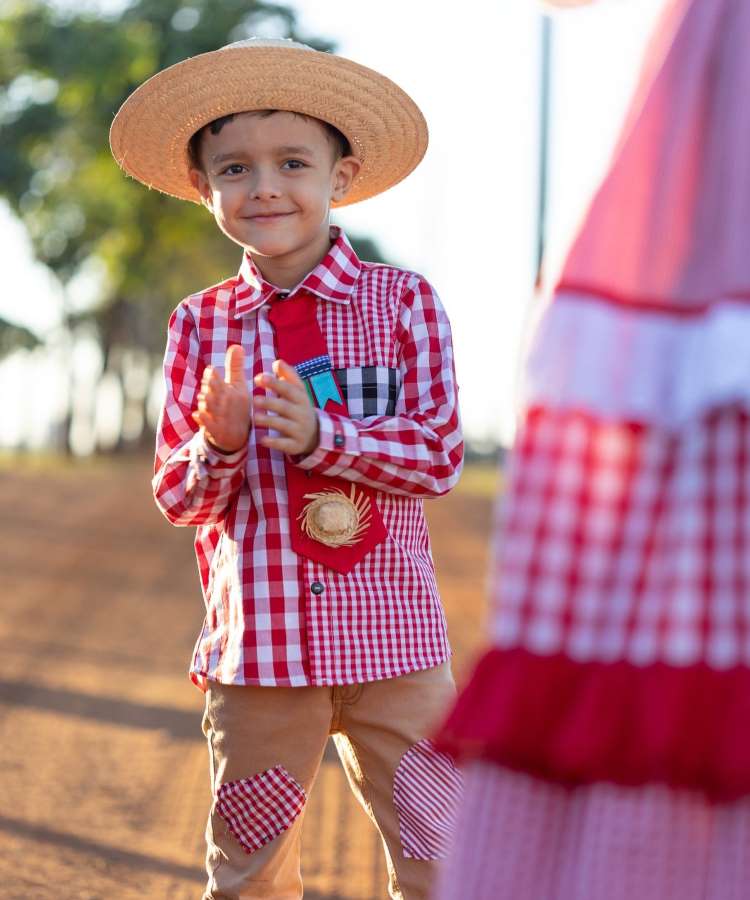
[{"x": 150, "y": 133}]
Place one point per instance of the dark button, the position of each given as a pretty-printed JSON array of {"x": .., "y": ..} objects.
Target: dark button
[
  {"x": 316, "y": 587},
  {"x": 338, "y": 441},
  {"x": 282, "y": 295}
]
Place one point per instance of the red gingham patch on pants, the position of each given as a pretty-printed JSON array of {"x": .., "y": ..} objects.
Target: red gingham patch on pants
[
  {"x": 426, "y": 791},
  {"x": 260, "y": 808}
]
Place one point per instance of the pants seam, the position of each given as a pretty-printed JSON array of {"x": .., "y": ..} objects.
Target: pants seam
[
  {"x": 336, "y": 710},
  {"x": 366, "y": 796},
  {"x": 212, "y": 885}
]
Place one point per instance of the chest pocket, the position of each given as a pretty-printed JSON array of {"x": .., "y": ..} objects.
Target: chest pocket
[{"x": 369, "y": 390}]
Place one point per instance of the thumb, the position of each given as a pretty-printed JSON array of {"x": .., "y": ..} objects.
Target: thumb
[
  {"x": 234, "y": 366},
  {"x": 286, "y": 372}
]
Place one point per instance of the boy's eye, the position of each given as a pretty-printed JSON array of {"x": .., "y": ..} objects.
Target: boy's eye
[
  {"x": 233, "y": 169},
  {"x": 294, "y": 164}
]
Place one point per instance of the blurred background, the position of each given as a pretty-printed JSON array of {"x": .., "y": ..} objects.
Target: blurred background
[{"x": 105, "y": 788}]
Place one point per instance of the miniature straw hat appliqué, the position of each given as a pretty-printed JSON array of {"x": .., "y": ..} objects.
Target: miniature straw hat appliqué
[{"x": 385, "y": 128}]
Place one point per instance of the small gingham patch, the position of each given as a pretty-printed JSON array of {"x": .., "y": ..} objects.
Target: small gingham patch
[
  {"x": 260, "y": 808},
  {"x": 369, "y": 390},
  {"x": 426, "y": 792}
]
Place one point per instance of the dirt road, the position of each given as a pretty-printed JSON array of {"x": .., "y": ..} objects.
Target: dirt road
[{"x": 103, "y": 774}]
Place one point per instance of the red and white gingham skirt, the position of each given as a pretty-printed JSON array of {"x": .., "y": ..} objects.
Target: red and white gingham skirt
[
  {"x": 613, "y": 712},
  {"x": 622, "y": 608},
  {"x": 520, "y": 838}
]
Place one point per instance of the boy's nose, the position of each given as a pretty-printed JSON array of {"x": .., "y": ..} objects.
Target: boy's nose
[{"x": 264, "y": 186}]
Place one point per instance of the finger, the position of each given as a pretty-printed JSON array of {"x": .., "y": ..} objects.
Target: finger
[
  {"x": 287, "y": 427},
  {"x": 211, "y": 409},
  {"x": 291, "y": 446},
  {"x": 203, "y": 410},
  {"x": 277, "y": 405},
  {"x": 207, "y": 401},
  {"x": 204, "y": 419},
  {"x": 295, "y": 393},
  {"x": 213, "y": 384},
  {"x": 287, "y": 373},
  {"x": 204, "y": 395},
  {"x": 207, "y": 374},
  {"x": 234, "y": 366}
]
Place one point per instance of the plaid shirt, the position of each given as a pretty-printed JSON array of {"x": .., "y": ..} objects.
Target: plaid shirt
[{"x": 272, "y": 617}]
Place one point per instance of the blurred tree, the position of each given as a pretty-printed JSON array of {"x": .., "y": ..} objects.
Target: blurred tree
[
  {"x": 63, "y": 75},
  {"x": 14, "y": 337}
]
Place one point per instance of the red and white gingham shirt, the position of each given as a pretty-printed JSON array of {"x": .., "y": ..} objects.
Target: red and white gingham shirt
[{"x": 264, "y": 625}]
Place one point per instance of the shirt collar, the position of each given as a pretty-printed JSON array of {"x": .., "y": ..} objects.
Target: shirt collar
[{"x": 332, "y": 279}]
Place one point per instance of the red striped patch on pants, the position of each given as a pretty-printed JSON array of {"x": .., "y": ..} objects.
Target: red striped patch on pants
[{"x": 426, "y": 791}]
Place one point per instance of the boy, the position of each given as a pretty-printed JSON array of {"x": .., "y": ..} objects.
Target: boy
[{"x": 304, "y": 462}]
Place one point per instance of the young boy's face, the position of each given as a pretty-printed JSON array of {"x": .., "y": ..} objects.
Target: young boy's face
[{"x": 269, "y": 181}]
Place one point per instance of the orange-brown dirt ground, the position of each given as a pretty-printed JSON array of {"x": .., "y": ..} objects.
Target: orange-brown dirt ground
[{"x": 103, "y": 769}]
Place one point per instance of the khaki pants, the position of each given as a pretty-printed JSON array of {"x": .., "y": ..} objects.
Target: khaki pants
[{"x": 266, "y": 746}]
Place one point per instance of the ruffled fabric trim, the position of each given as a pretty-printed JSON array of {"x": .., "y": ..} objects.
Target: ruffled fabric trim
[
  {"x": 638, "y": 362},
  {"x": 583, "y": 723}
]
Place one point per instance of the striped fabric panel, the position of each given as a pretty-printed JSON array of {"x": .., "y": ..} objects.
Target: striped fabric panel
[
  {"x": 260, "y": 808},
  {"x": 314, "y": 366},
  {"x": 426, "y": 793},
  {"x": 520, "y": 838}
]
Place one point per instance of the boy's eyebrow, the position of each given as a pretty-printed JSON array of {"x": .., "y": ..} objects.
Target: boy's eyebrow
[
  {"x": 300, "y": 150},
  {"x": 225, "y": 157}
]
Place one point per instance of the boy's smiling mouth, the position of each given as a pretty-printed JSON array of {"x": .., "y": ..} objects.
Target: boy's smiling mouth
[{"x": 268, "y": 217}]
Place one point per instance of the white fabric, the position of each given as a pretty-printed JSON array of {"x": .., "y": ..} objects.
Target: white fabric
[{"x": 621, "y": 363}]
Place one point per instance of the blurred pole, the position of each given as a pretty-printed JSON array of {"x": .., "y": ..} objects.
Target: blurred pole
[{"x": 545, "y": 78}]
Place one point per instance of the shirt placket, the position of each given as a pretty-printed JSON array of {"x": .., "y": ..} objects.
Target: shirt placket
[
  {"x": 320, "y": 632},
  {"x": 292, "y": 579},
  {"x": 314, "y": 581}
]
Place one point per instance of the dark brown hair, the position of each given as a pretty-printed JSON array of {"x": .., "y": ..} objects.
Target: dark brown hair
[{"x": 340, "y": 144}]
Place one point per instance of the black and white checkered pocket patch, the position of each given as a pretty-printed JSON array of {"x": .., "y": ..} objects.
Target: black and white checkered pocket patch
[{"x": 369, "y": 390}]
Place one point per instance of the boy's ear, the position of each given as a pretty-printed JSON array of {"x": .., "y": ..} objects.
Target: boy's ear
[
  {"x": 200, "y": 183},
  {"x": 344, "y": 172}
]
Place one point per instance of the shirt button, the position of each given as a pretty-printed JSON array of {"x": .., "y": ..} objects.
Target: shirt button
[
  {"x": 316, "y": 587},
  {"x": 338, "y": 441}
]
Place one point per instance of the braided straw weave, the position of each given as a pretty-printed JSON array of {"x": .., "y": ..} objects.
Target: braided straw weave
[
  {"x": 335, "y": 519},
  {"x": 150, "y": 133}
]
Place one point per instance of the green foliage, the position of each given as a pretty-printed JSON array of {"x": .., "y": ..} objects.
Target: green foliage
[
  {"x": 63, "y": 76},
  {"x": 367, "y": 249},
  {"x": 14, "y": 337}
]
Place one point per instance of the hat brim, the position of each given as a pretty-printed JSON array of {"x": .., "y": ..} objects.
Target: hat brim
[{"x": 385, "y": 128}]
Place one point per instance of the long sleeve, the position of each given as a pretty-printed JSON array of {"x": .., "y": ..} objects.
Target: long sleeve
[
  {"x": 193, "y": 483},
  {"x": 418, "y": 451}
]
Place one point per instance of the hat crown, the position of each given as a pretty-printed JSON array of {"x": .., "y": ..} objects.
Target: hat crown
[{"x": 266, "y": 42}]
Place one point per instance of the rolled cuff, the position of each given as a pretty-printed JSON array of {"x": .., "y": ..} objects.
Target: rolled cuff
[
  {"x": 338, "y": 445},
  {"x": 208, "y": 462}
]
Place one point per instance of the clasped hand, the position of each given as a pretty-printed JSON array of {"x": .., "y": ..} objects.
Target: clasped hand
[{"x": 226, "y": 407}]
